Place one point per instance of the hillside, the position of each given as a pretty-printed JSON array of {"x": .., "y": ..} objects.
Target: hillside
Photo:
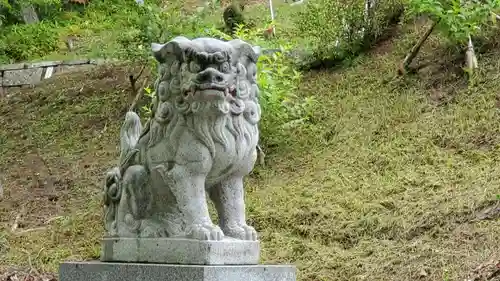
[{"x": 391, "y": 180}]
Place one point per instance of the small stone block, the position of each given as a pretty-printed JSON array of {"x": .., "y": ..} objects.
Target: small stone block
[
  {"x": 70, "y": 68},
  {"x": 180, "y": 251},
  {"x": 29, "y": 76},
  {"x": 97, "y": 61},
  {"x": 76, "y": 62},
  {"x": 15, "y": 66},
  {"x": 103, "y": 271},
  {"x": 42, "y": 64}
]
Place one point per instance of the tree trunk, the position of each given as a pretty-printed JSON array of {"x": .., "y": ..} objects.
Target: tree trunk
[{"x": 29, "y": 14}]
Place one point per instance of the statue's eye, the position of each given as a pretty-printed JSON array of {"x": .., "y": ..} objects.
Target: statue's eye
[
  {"x": 194, "y": 67},
  {"x": 225, "y": 67},
  {"x": 241, "y": 69}
]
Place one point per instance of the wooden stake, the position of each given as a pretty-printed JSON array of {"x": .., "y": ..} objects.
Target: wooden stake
[{"x": 470, "y": 57}]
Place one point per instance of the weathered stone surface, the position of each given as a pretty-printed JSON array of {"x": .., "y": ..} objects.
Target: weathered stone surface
[
  {"x": 76, "y": 62},
  {"x": 201, "y": 140},
  {"x": 180, "y": 251},
  {"x": 102, "y": 61},
  {"x": 42, "y": 64},
  {"x": 14, "y": 66},
  {"x": 97, "y": 61},
  {"x": 69, "y": 68},
  {"x": 98, "y": 271},
  {"x": 28, "y": 76}
]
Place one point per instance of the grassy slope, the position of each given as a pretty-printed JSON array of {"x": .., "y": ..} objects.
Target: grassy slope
[{"x": 383, "y": 186}]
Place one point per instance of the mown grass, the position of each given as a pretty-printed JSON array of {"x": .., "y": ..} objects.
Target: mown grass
[{"x": 383, "y": 183}]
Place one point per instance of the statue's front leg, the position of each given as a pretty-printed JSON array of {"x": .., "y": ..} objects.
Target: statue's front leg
[
  {"x": 228, "y": 197},
  {"x": 188, "y": 188}
]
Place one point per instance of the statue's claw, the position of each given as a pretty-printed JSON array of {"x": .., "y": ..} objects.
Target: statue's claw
[
  {"x": 242, "y": 232},
  {"x": 205, "y": 232}
]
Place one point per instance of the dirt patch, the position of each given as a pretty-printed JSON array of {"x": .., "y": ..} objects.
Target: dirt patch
[
  {"x": 53, "y": 153},
  {"x": 385, "y": 43},
  {"x": 27, "y": 275},
  {"x": 489, "y": 271}
]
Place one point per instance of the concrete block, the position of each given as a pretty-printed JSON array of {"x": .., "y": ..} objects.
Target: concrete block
[
  {"x": 76, "y": 62},
  {"x": 102, "y": 271},
  {"x": 70, "y": 68},
  {"x": 15, "y": 66},
  {"x": 20, "y": 77},
  {"x": 42, "y": 64},
  {"x": 180, "y": 251}
]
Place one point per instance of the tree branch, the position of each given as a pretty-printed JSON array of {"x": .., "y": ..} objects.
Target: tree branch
[
  {"x": 403, "y": 68},
  {"x": 138, "y": 96},
  {"x": 133, "y": 79}
]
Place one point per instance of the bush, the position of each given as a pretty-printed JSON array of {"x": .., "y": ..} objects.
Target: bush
[
  {"x": 337, "y": 30},
  {"x": 23, "y": 42},
  {"x": 456, "y": 19},
  {"x": 283, "y": 110},
  {"x": 154, "y": 24},
  {"x": 10, "y": 11}
]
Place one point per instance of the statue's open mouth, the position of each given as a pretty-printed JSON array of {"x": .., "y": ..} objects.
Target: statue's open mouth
[{"x": 217, "y": 90}]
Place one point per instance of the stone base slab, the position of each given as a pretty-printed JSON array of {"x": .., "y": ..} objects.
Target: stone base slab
[
  {"x": 103, "y": 271},
  {"x": 180, "y": 251}
]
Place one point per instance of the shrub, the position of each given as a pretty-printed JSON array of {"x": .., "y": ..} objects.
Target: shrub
[
  {"x": 457, "y": 19},
  {"x": 154, "y": 24},
  {"x": 338, "y": 29},
  {"x": 10, "y": 11},
  {"x": 23, "y": 42},
  {"x": 283, "y": 110}
]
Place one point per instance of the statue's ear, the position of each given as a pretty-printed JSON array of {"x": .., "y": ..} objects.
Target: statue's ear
[
  {"x": 174, "y": 48},
  {"x": 257, "y": 51},
  {"x": 245, "y": 49}
]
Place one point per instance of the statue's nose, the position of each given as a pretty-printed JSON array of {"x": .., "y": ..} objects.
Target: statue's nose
[{"x": 210, "y": 75}]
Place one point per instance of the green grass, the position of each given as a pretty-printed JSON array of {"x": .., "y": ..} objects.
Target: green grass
[
  {"x": 383, "y": 183},
  {"x": 121, "y": 25}
]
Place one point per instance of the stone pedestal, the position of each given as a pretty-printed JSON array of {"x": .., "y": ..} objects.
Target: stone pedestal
[
  {"x": 228, "y": 251},
  {"x": 106, "y": 271}
]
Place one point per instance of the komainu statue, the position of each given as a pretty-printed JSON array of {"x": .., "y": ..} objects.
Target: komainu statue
[{"x": 201, "y": 139}]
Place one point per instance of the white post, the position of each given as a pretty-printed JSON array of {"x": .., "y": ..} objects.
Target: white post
[{"x": 272, "y": 14}]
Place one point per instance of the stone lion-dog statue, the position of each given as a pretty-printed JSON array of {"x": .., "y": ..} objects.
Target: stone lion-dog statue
[{"x": 202, "y": 138}]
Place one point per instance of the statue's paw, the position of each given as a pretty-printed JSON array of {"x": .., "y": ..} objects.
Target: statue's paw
[
  {"x": 205, "y": 232},
  {"x": 242, "y": 232},
  {"x": 151, "y": 232}
]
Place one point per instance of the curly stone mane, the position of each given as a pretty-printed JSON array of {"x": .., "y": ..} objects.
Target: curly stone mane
[
  {"x": 202, "y": 137},
  {"x": 214, "y": 112}
]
